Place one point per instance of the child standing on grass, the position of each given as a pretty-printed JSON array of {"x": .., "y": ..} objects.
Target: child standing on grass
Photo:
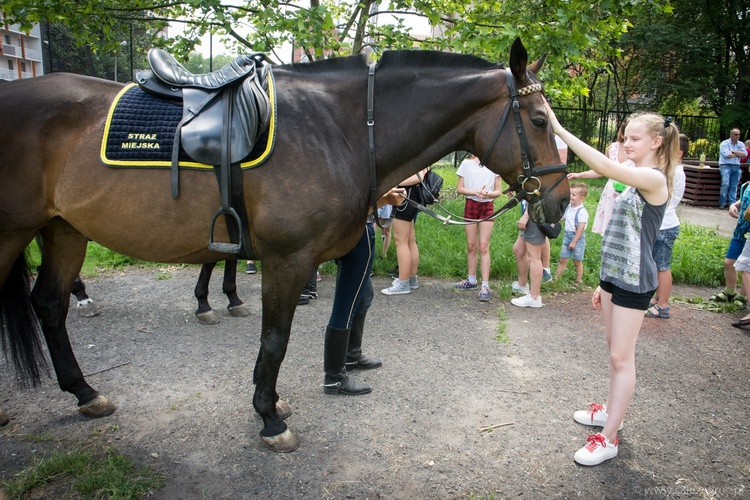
[
  {"x": 480, "y": 186},
  {"x": 670, "y": 228},
  {"x": 574, "y": 238},
  {"x": 628, "y": 275}
]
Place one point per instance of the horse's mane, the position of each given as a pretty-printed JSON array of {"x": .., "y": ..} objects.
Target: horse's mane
[
  {"x": 434, "y": 58},
  {"x": 333, "y": 64},
  {"x": 398, "y": 59}
]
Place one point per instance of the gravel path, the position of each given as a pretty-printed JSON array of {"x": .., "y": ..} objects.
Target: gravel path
[{"x": 184, "y": 393}]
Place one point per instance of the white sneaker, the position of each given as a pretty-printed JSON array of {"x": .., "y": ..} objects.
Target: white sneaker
[
  {"x": 597, "y": 450},
  {"x": 413, "y": 282},
  {"x": 595, "y": 416},
  {"x": 527, "y": 301},
  {"x": 520, "y": 290},
  {"x": 397, "y": 288}
]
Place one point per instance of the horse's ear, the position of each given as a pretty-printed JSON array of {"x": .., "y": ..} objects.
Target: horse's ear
[
  {"x": 518, "y": 59},
  {"x": 536, "y": 66}
]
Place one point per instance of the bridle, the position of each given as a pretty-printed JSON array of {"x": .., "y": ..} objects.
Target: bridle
[{"x": 523, "y": 185}]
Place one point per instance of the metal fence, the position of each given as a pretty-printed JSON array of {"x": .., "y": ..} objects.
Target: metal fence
[
  {"x": 599, "y": 129},
  {"x": 61, "y": 54}
]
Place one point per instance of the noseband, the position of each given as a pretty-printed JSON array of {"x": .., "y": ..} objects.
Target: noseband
[{"x": 523, "y": 186}]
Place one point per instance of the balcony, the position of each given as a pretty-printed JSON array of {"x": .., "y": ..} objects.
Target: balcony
[
  {"x": 16, "y": 28},
  {"x": 8, "y": 74},
  {"x": 33, "y": 54},
  {"x": 11, "y": 50}
]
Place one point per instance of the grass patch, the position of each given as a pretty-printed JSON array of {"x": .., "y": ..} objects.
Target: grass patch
[
  {"x": 83, "y": 473},
  {"x": 698, "y": 257},
  {"x": 502, "y": 325}
]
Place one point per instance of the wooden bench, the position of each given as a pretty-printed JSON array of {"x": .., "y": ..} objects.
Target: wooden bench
[{"x": 703, "y": 185}]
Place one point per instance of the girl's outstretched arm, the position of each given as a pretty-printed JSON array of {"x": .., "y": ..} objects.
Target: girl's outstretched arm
[{"x": 648, "y": 181}]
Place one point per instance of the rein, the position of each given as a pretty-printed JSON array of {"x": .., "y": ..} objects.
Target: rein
[{"x": 530, "y": 171}]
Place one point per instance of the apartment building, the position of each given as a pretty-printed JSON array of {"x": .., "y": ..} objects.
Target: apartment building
[{"x": 20, "y": 52}]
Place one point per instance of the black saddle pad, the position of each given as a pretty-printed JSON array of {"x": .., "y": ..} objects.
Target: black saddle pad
[{"x": 140, "y": 132}]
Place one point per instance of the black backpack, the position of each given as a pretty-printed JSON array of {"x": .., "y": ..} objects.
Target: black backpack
[{"x": 429, "y": 188}]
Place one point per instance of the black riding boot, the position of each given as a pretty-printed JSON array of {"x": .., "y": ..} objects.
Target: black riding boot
[
  {"x": 354, "y": 356},
  {"x": 334, "y": 363}
]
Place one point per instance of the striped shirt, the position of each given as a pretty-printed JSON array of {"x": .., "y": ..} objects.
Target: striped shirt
[{"x": 628, "y": 243}]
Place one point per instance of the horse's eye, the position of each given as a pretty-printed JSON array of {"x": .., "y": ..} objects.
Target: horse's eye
[{"x": 539, "y": 122}]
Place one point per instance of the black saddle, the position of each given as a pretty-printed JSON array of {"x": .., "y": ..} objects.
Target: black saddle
[
  {"x": 223, "y": 114},
  {"x": 233, "y": 96}
]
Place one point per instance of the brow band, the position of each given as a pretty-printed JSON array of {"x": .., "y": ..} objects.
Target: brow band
[{"x": 530, "y": 89}]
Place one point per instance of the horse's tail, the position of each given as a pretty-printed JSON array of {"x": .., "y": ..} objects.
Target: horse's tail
[{"x": 19, "y": 328}]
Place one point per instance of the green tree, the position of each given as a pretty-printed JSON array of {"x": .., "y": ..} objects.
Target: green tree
[
  {"x": 696, "y": 57},
  {"x": 580, "y": 36}
]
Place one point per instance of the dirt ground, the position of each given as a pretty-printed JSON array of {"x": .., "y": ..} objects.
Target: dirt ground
[{"x": 184, "y": 394}]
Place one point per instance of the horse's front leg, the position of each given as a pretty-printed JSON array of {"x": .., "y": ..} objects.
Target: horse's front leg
[
  {"x": 236, "y": 307},
  {"x": 64, "y": 251},
  {"x": 281, "y": 288}
]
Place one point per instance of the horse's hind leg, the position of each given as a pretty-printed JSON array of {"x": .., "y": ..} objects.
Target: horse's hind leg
[
  {"x": 229, "y": 287},
  {"x": 64, "y": 252},
  {"x": 204, "y": 314},
  {"x": 86, "y": 306}
]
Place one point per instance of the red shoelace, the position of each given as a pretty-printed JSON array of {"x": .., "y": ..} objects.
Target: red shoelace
[
  {"x": 595, "y": 408},
  {"x": 595, "y": 440}
]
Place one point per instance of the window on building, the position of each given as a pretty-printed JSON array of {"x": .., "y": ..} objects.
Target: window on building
[
  {"x": 7, "y": 39},
  {"x": 23, "y": 66},
  {"x": 10, "y": 64}
]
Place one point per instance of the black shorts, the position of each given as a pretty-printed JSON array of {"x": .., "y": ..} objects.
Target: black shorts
[
  {"x": 406, "y": 211},
  {"x": 624, "y": 298}
]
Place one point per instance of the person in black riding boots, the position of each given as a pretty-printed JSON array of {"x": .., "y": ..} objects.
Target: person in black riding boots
[{"x": 353, "y": 296}]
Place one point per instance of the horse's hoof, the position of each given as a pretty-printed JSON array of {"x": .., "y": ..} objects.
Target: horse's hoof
[
  {"x": 207, "y": 318},
  {"x": 283, "y": 443},
  {"x": 99, "y": 407},
  {"x": 240, "y": 311},
  {"x": 87, "y": 308},
  {"x": 4, "y": 419},
  {"x": 283, "y": 409}
]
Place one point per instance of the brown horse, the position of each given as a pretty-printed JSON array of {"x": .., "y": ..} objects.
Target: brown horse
[{"x": 307, "y": 204}]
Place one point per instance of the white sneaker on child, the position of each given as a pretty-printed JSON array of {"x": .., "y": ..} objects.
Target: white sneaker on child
[
  {"x": 597, "y": 450},
  {"x": 527, "y": 301},
  {"x": 397, "y": 288},
  {"x": 520, "y": 290},
  {"x": 595, "y": 416}
]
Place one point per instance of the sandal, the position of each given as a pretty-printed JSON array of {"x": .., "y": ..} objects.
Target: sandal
[
  {"x": 740, "y": 300},
  {"x": 723, "y": 297},
  {"x": 657, "y": 312}
]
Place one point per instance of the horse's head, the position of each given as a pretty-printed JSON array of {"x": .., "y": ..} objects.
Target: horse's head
[{"x": 523, "y": 151}]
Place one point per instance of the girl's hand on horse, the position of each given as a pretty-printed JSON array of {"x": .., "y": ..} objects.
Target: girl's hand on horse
[{"x": 553, "y": 122}]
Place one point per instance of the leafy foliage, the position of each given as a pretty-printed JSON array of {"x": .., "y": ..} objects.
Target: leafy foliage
[{"x": 579, "y": 36}]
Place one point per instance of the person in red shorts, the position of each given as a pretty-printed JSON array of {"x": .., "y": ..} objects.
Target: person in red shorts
[{"x": 480, "y": 186}]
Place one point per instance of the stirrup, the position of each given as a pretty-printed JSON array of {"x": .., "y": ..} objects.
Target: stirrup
[{"x": 232, "y": 248}]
